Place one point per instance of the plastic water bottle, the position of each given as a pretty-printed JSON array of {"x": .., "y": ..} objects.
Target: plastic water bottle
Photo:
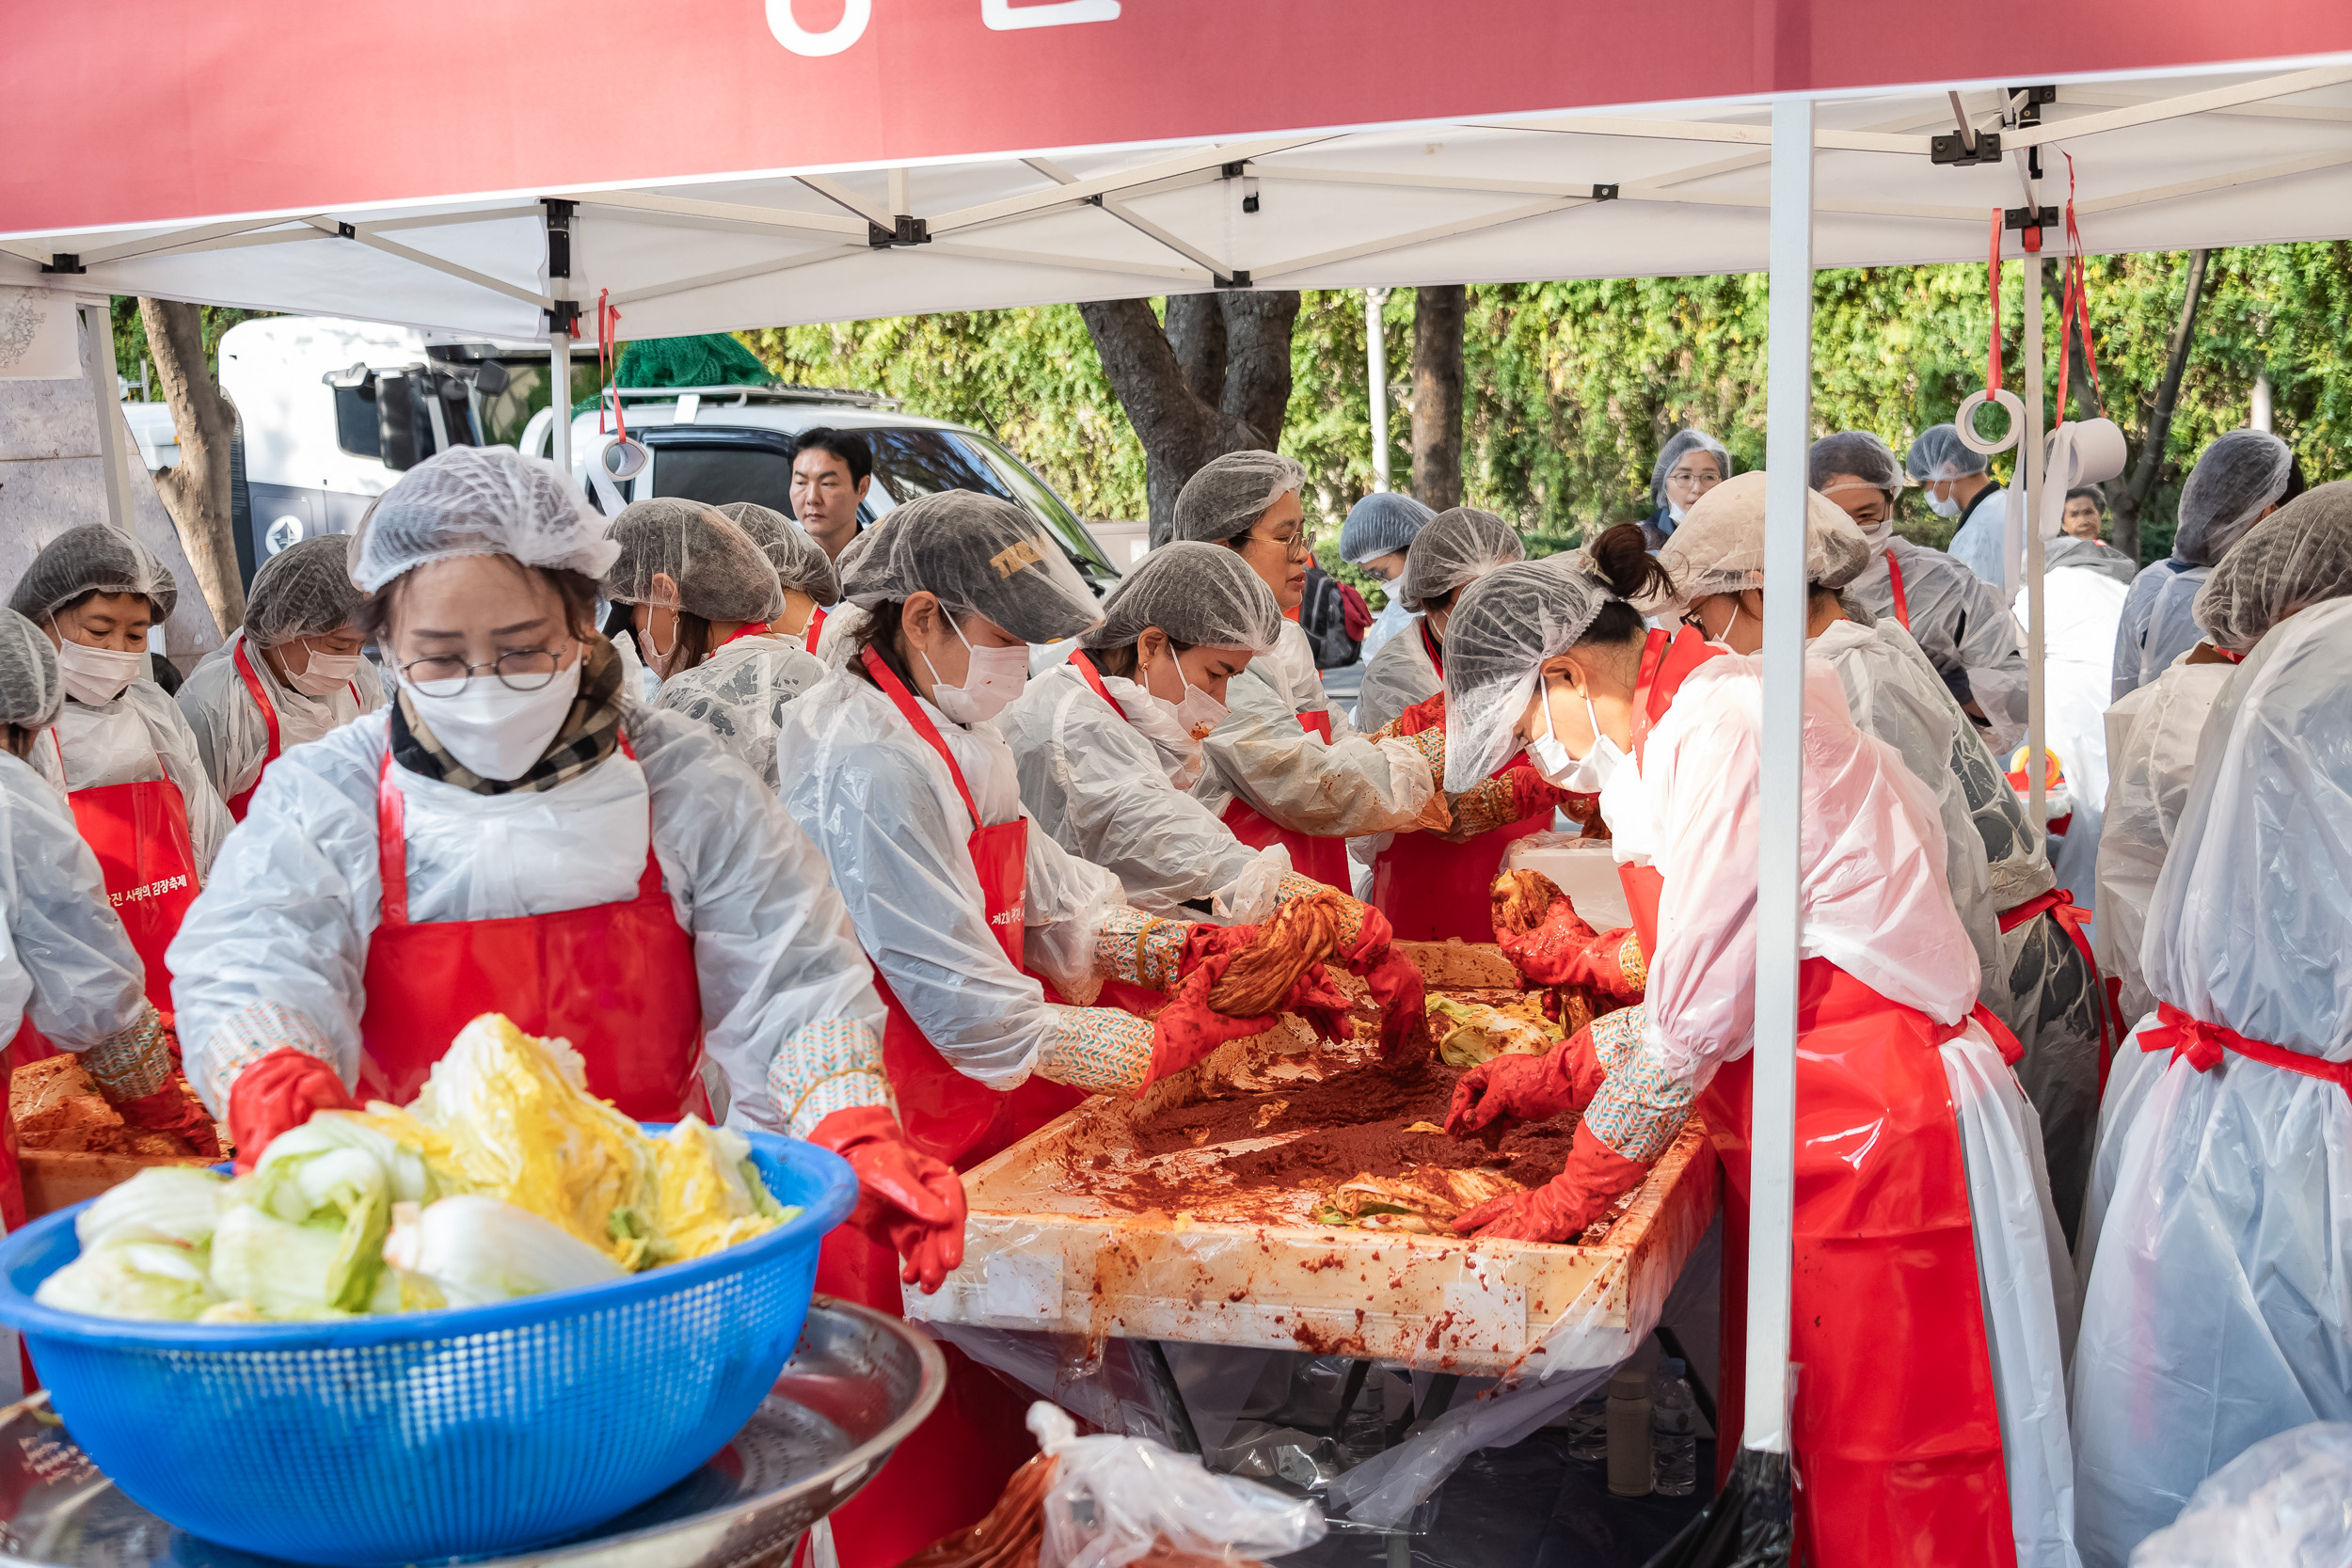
[
  {"x": 1673, "y": 1433},
  {"x": 1631, "y": 1471},
  {"x": 1588, "y": 1430}
]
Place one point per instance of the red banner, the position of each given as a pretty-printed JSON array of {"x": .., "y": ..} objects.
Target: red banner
[{"x": 151, "y": 110}]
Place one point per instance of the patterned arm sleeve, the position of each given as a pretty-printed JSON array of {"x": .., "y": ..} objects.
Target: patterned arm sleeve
[
  {"x": 1141, "y": 949},
  {"x": 133, "y": 1062},
  {"x": 240, "y": 1039},
  {"x": 1641, "y": 1106},
  {"x": 830, "y": 1064},
  {"x": 1101, "y": 1050}
]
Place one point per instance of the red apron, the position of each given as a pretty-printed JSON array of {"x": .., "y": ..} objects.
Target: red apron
[
  {"x": 237, "y": 803},
  {"x": 1895, "y": 579},
  {"x": 816, "y": 624},
  {"x": 139, "y": 833},
  {"x": 11, "y": 1173},
  {"x": 1314, "y": 855},
  {"x": 1895, "y": 1428},
  {"x": 618, "y": 980},
  {"x": 1431, "y": 890},
  {"x": 749, "y": 628},
  {"x": 949, "y": 1473},
  {"x": 1666, "y": 663}
]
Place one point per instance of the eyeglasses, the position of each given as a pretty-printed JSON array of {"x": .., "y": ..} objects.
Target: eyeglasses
[
  {"x": 517, "y": 670},
  {"x": 1298, "y": 547}
]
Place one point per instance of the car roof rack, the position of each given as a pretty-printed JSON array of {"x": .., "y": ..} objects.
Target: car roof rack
[{"x": 777, "y": 392}]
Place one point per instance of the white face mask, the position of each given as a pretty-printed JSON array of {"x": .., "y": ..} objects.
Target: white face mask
[
  {"x": 1195, "y": 712},
  {"x": 658, "y": 658},
  {"x": 992, "y": 679},
  {"x": 1943, "y": 506},
  {"x": 324, "y": 673},
  {"x": 496, "y": 730},
  {"x": 1674, "y": 512},
  {"x": 96, "y": 675},
  {"x": 1723, "y": 640},
  {"x": 1586, "y": 775}
]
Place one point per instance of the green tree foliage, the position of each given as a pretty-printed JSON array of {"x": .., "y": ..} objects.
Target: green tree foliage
[
  {"x": 1573, "y": 385},
  {"x": 130, "y": 356}
]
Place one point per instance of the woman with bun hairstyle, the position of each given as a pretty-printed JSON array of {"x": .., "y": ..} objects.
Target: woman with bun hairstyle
[{"x": 1931, "y": 1414}]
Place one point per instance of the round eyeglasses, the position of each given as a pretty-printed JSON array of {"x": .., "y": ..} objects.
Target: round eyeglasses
[{"x": 517, "y": 670}]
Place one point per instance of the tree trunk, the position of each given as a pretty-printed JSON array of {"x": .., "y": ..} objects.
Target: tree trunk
[
  {"x": 196, "y": 489},
  {"x": 1438, "y": 316},
  {"x": 2132, "y": 499},
  {"x": 1217, "y": 379}
]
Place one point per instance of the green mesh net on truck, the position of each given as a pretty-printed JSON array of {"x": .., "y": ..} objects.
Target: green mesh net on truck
[{"x": 712, "y": 360}]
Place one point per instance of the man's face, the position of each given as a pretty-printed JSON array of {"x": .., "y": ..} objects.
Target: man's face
[
  {"x": 2082, "y": 517},
  {"x": 825, "y": 499}
]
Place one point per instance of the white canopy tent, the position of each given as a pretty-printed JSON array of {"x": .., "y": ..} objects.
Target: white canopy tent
[{"x": 1791, "y": 172}]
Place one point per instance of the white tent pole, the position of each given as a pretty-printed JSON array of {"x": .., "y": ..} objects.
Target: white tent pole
[
  {"x": 1788, "y": 433},
  {"x": 98, "y": 357},
  {"x": 560, "y": 397},
  {"x": 1377, "y": 375},
  {"x": 2031, "y": 478}
]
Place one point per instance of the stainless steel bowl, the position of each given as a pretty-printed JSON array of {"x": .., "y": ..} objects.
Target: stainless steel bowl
[{"x": 858, "y": 1385}]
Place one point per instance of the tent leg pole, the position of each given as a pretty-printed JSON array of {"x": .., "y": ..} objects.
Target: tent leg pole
[
  {"x": 2031, "y": 480},
  {"x": 559, "y": 396},
  {"x": 1788, "y": 434},
  {"x": 98, "y": 357}
]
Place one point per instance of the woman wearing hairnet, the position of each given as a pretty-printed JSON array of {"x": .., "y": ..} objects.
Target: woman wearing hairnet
[
  {"x": 803, "y": 570},
  {"x": 1958, "y": 484},
  {"x": 518, "y": 833},
  {"x": 1284, "y": 768},
  {"x": 2050, "y": 997},
  {"x": 1689, "y": 463},
  {"x": 1108, "y": 744},
  {"x": 69, "y": 978},
  {"x": 1923, "y": 1312},
  {"x": 2216, "y": 1312},
  {"x": 2298, "y": 557},
  {"x": 981, "y": 932},
  {"x": 2242, "y": 478},
  {"x": 1379, "y": 529},
  {"x": 120, "y": 751},
  {"x": 290, "y": 673},
  {"x": 703, "y": 598},
  {"x": 1433, "y": 886},
  {"x": 1958, "y": 618}
]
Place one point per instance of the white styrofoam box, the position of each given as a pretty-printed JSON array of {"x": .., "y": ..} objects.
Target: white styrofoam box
[{"x": 1585, "y": 869}]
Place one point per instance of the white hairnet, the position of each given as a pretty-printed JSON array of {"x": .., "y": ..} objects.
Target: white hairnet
[
  {"x": 480, "y": 500},
  {"x": 92, "y": 559},
  {"x": 1719, "y": 547},
  {"x": 1458, "y": 547},
  {"x": 1497, "y": 638},
  {"x": 2296, "y": 557},
  {"x": 1381, "y": 524},
  {"x": 1939, "y": 453},
  {"x": 305, "y": 590},
  {"x": 720, "y": 573},
  {"x": 30, "y": 693},
  {"x": 1857, "y": 453},
  {"x": 1678, "y": 445},
  {"x": 980, "y": 556},
  {"x": 1231, "y": 492},
  {"x": 800, "y": 563},
  {"x": 1202, "y": 595},
  {"x": 2238, "y": 476}
]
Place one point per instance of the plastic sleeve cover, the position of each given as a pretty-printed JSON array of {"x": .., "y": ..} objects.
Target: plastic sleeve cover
[
  {"x": 64, "y": 957},
  {"x": 1352, "y": 786},
  {"x": 830, "y": 1064},
  {"x": 1067, "y": 902},
  {"x": 1098, "y": 788},
  {"x": 873, "y": 797},
  {"x": 1395, "y": 677},
  {"x": 132, "y": 1063},
  {"x": 1642, "y": 1106},
  {"x": 1101, "y": 1050},
  {"x": 1139, "y": 948}
]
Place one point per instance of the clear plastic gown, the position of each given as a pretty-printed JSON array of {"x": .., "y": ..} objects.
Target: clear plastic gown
[
  {"x": 232, "y": 736},
  {"x": 739, "y": 692}
]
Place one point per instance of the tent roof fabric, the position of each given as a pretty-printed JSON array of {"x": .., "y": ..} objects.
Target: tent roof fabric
[{"x": 2235, "y": 157}]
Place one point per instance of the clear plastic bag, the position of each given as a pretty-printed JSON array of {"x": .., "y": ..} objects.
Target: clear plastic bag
[
  {"x": 1114, "y": 1500},
  {"x": 2286, "y": 1502}
]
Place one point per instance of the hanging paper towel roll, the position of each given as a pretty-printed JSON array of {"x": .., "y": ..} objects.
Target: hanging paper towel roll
[{"x": 2080, "y": 451}]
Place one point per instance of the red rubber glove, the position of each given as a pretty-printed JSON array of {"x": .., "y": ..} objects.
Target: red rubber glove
[
  {"x": 277, "y": 1094},
  {"x": 1187, "y": 1029},
  {"x": 1526, "y": 1089},
  {"x": 1563, "y": 950},
  {"x": 1396, "y": 983},
  {"x": 905, "y": 1199},
  {"x": 1560, "y": 1209},
  {"x": 170, "y": 1109}
]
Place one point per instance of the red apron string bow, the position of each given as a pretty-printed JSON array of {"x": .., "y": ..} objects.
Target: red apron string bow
[{"x": 2201, "y": 1045}]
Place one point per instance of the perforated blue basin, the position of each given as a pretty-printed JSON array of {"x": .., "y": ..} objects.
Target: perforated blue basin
[{"x": 422, "y": 1437}]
